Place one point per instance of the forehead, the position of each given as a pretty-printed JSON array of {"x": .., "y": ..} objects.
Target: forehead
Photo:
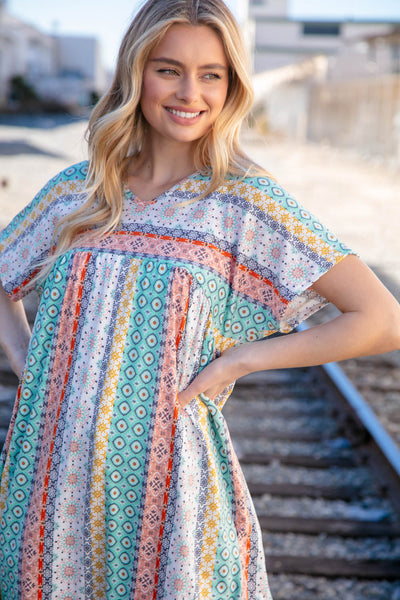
[{"x": 191, "y": 43}]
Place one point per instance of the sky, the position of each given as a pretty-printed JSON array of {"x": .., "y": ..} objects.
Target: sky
[{"x": 108, "y": 19}]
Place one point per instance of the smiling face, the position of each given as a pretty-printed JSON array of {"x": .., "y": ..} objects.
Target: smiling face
[{"x": 185, "y": 84}]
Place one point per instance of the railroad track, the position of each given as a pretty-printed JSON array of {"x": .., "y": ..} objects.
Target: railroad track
[
  {"x": 324, "y": 478},
  {"x": 327, "y": 497}
]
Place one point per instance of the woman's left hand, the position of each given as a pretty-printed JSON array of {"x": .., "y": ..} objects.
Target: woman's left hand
[{"x": 215, "y": 377}]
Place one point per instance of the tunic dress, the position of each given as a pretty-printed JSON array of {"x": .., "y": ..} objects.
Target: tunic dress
[{"x": 109, "y": 489}]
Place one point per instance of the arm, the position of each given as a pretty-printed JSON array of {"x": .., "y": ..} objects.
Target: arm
[
  {"x": 15, "y": 332},
  {"x": 369, "y": 324}
]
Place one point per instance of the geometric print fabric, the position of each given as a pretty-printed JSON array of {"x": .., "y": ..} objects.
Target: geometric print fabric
[{"x": 109, "y": 489}]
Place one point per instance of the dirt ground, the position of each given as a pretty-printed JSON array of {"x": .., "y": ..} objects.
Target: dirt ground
[{"x": 30, "y": 156}]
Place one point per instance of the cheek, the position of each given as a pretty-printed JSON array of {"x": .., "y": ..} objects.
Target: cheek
[
  {"x": 145, "y": 101},
  {"x": 218, "y": 98},
  {"x": 150, "y": 93}
]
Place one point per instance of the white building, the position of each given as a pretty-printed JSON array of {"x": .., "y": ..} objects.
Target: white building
[
  {"x": 23, "y": 51},
  {"x": 280, "y": 40},
  {"x": 336, "y": 83},
  {"x": 60, "y": 68},
  {"x": 78, "y": 71}
]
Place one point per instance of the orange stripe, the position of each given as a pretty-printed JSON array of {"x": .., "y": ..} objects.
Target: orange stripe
[
  {"x": 165, "y": 502},
  {"x": 16, "y": 291},
  {"x": 246, "y": 572},
  {"x": 182, "y": 325},
  {"x": 49, "y": 460},
  {"x": 213, "y": 247}
]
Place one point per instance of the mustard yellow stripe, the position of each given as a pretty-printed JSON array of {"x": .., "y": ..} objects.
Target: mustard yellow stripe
[
  {"x": 4, "y": 485},
  {"x": 222, "y": 343},
  {"x": 210, "y": 534},
  {"x": 97, "y": 500}
]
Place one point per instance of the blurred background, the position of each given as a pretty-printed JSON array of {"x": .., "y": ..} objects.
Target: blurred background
[{"x": 323, "y": 71}]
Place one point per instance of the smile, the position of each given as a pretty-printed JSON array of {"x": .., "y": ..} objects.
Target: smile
[{"x": 182, "y": 114}]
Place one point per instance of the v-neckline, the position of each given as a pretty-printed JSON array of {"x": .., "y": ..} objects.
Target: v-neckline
[{"x": 133, "y": 197}]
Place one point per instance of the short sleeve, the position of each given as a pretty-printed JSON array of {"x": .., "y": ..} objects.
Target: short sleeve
[
  {"x": 28, "y": 239},
  {"x": 281, "y": 251}
]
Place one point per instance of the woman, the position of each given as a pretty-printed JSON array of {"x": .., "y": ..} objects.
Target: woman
[{"x": 157, "y": 260}]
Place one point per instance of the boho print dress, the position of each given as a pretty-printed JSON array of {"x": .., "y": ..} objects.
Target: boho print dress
[{"x": 109, "y": 489}]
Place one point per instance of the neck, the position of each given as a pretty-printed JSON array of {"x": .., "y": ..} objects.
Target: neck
[{"x": 163, "y": 162}]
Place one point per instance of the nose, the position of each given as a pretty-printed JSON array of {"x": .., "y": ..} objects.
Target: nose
[{"x": 188, "y": 89}]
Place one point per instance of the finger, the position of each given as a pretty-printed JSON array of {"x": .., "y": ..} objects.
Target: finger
[{"x": 184, "y": 398}]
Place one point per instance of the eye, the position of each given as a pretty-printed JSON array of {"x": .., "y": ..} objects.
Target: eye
[
  {"x": 167, "y": 71},
  {"x": 211, "y": 76}
]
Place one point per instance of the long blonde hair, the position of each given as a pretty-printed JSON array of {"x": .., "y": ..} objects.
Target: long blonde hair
[{"x": 117, "y": 128}]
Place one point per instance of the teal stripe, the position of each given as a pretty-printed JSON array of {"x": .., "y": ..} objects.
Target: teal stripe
[
  {"x": 131, "y": 425},
  {"x": 226, "y": 577}
]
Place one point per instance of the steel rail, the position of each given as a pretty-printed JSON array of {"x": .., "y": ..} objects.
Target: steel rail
[{"x": 365, "y": 414}]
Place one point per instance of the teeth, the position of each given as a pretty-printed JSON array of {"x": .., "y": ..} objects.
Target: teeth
[{"x": 183, "y": 115}]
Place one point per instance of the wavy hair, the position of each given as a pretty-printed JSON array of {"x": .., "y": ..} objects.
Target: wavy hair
[{"x": 117, "y": 128}]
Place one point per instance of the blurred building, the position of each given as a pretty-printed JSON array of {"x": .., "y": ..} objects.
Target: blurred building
[
  {"x": 281, "y": 40},
  {"x": 59, "y": 68},
  {"x": 370, "y": 55},
  {"x": 329, "y": 82},
  {"x": 358, "y": 104},
  {"x": 78, "y": 72}
]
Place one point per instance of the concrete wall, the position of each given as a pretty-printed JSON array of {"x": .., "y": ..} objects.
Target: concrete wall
[
  {"x": 363, "y": 115},
  {"x": 78, "y": 70},
  {"x": 288, "y": 109},
  {"x": 77, "y": 56},
  {"x": 365, "y": 59}
]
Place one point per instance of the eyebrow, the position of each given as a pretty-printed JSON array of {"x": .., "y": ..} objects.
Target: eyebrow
[{"x": 177, "y": 63}]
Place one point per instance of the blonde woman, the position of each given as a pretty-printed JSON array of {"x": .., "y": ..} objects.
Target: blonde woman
[{"x": 159, "y": 262}]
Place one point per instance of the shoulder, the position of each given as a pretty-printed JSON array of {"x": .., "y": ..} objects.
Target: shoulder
[
  {"x": 62, "y": 193},
  {"x": 261, "y": 187},
  {"x": 69, "y": 180},
  {"x": 283, "y": 213},
  {"x": 262, "y": 193},
  {"x": 268, "y": 195},
  {"x": 256, "y": 192},
  {"x": 76, "y": 172},
  {"x": 69, "y": 183}
]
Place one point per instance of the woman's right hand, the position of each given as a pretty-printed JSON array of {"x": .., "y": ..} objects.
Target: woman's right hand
[{"x": 216, "y": 376}]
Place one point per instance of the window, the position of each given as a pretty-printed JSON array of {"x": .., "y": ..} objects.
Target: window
[{"x": 321, "y": 29}]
